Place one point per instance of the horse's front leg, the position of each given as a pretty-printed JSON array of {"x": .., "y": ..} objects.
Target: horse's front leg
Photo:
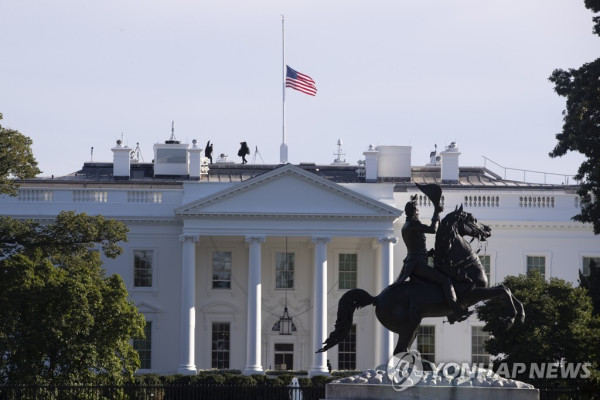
[
  {"x": 519, "y": 307},
  {"x": 406, "y": 336}
]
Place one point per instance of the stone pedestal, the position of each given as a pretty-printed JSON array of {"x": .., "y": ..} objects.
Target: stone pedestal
[{"x": 341, "y": 391}]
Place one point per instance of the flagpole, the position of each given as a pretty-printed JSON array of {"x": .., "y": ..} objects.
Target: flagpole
[{"x": 283, "y": 149}]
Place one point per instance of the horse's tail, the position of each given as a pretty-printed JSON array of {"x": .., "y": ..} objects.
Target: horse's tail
[{"x": 350, "y": 301}]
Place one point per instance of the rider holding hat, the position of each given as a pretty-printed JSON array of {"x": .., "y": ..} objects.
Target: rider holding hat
[{"x": 415, "y": 263}]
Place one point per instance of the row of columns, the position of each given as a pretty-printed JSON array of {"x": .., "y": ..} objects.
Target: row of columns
[{"x": 253, "y": 335}]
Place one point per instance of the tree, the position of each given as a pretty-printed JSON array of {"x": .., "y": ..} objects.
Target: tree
[
  {"x": 581, "y": 128},
  {"x": 559, "y": 327},
  {"x": 62, "y": 320},
  {"x": 16, "y": 159}
]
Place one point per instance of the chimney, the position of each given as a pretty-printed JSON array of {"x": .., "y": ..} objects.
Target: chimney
[
  {"x": 121, "y": 161},
  {"x": 450, "y": 164},
  {"x": 371, "y": 164},
  {"x": 195, "y": 160}
]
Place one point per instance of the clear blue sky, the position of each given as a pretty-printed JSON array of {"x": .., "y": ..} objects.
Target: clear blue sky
[{"x": 76, "y": 74}]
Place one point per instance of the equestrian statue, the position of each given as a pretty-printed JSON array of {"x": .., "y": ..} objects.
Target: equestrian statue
[{"x": 456, "y": 281}]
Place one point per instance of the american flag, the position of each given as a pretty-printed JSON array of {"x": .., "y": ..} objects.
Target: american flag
[{"x": 298, "y": 81}]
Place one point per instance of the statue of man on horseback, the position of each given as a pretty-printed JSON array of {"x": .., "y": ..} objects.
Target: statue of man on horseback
[
  {"x": 456, "y": 281},
  {"x": 415, "y": 263}
]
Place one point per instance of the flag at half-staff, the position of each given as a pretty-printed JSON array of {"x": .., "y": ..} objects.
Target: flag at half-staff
[{"x": 299, "y": 81}]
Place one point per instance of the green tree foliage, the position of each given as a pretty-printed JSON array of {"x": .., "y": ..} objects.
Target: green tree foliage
[
  {"x": 62, "y": 320},
  {"x": 16, "y": 159},
  {"x": 594, "y": 5},
  {"x": 559, "y": 327},
  {"x": 581, "y": 128}
]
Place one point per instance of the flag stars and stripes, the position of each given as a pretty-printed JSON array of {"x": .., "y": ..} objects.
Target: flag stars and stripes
[{"x": 299, "y": 81}]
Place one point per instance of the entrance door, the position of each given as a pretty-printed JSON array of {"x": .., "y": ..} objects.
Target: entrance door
[{"x": 284, "y": 356}]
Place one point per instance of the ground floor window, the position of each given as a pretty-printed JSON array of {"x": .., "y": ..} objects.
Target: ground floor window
[
  {"x": 144, "y": 347},
  {"x": 347, "y": 351},
  {"x": 426, "y": 342},
  {"x": 478, "y": 339},
  {"x": 284, "y": 356},
  {"x": 220, "y": 345}
]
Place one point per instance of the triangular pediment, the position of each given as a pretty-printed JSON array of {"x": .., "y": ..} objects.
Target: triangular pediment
[{"x": 288, "y": 191}]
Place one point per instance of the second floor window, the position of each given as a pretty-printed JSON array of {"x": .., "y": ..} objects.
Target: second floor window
[
  {"x": 284, "y": 270},
  {"x": 142, "y": 268},
  {"x": 348, "y": 269},
  {"x": 221, "y": 270}
]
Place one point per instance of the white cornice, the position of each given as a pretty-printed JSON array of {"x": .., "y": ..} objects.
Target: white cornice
[
  {"x": 304, "y": 217},
  {"x": 133, "y": 219},
  {"x": 541, "y": 225}
]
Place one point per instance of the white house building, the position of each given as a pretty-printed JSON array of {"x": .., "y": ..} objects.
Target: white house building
[{"x": 218, "y": 254}]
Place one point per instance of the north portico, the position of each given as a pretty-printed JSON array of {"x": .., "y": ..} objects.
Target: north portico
[{"x": 311, "y": 215}]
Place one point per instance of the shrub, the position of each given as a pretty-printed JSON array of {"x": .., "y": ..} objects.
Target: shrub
[
  {"x": 321, "y": 380},
  {"x": 240, "y": 380},
  {"x": 305, "y": 382}
]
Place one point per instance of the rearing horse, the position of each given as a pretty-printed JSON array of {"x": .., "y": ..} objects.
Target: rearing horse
[{"x": 396, "y": 303}]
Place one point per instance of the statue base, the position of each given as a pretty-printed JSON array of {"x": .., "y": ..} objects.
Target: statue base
[{"x": 341, "y": 391}]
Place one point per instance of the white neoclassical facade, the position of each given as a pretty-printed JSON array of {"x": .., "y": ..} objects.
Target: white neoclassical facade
[{"x": 216, "y": 255}]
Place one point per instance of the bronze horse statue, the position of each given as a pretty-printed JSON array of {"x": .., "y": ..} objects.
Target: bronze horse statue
[{"x": 401, "y": 306}]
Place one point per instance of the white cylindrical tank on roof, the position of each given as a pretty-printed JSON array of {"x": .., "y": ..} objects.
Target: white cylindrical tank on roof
[{"x": 394, "y": 163}]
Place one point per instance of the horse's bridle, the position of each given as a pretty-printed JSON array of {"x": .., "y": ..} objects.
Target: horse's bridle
[{"x": 476, "y": 233}]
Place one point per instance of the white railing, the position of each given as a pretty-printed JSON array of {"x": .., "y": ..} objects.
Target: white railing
[
  {"x": 536, "y": 201},
  {"x": 482, "y": 201},
  {"x": 36, "y": 195},
  {"x": 90, "y": 196},
  {"x": 144, "y": 196},
  {"x": 423, "y": 201},
  {"x": 532, "y": 176}
]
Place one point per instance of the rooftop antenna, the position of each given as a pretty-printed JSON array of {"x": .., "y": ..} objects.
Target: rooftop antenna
[
  {"x": 136, "y": 154},
  {"x": 172, "y": 139},
  {"x": 339, "y": 153},
  {"x": 256, "y": 152},
  {"x": 92, "y": 154},
  {"x": 172, "y": 131}
]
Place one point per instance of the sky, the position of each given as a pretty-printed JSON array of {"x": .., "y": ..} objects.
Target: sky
[{"x": 80, "y": 74}]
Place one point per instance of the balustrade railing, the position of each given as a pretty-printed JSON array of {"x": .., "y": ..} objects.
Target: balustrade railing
[
  {"x": 482, "y": 201},
  {"x": 536, "y": 201},
  {"x": 35, "y": 195},
  {"x": 90, "y": 196},
  {"x": 144, "y": 196}
]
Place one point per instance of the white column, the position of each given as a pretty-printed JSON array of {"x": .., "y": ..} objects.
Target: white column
[
  {"x": 253, "y": 336},
  {"x": 319, "y": 366},
  {"x": 188, "y": 305},
  {"x": 386, "y": 268}
]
